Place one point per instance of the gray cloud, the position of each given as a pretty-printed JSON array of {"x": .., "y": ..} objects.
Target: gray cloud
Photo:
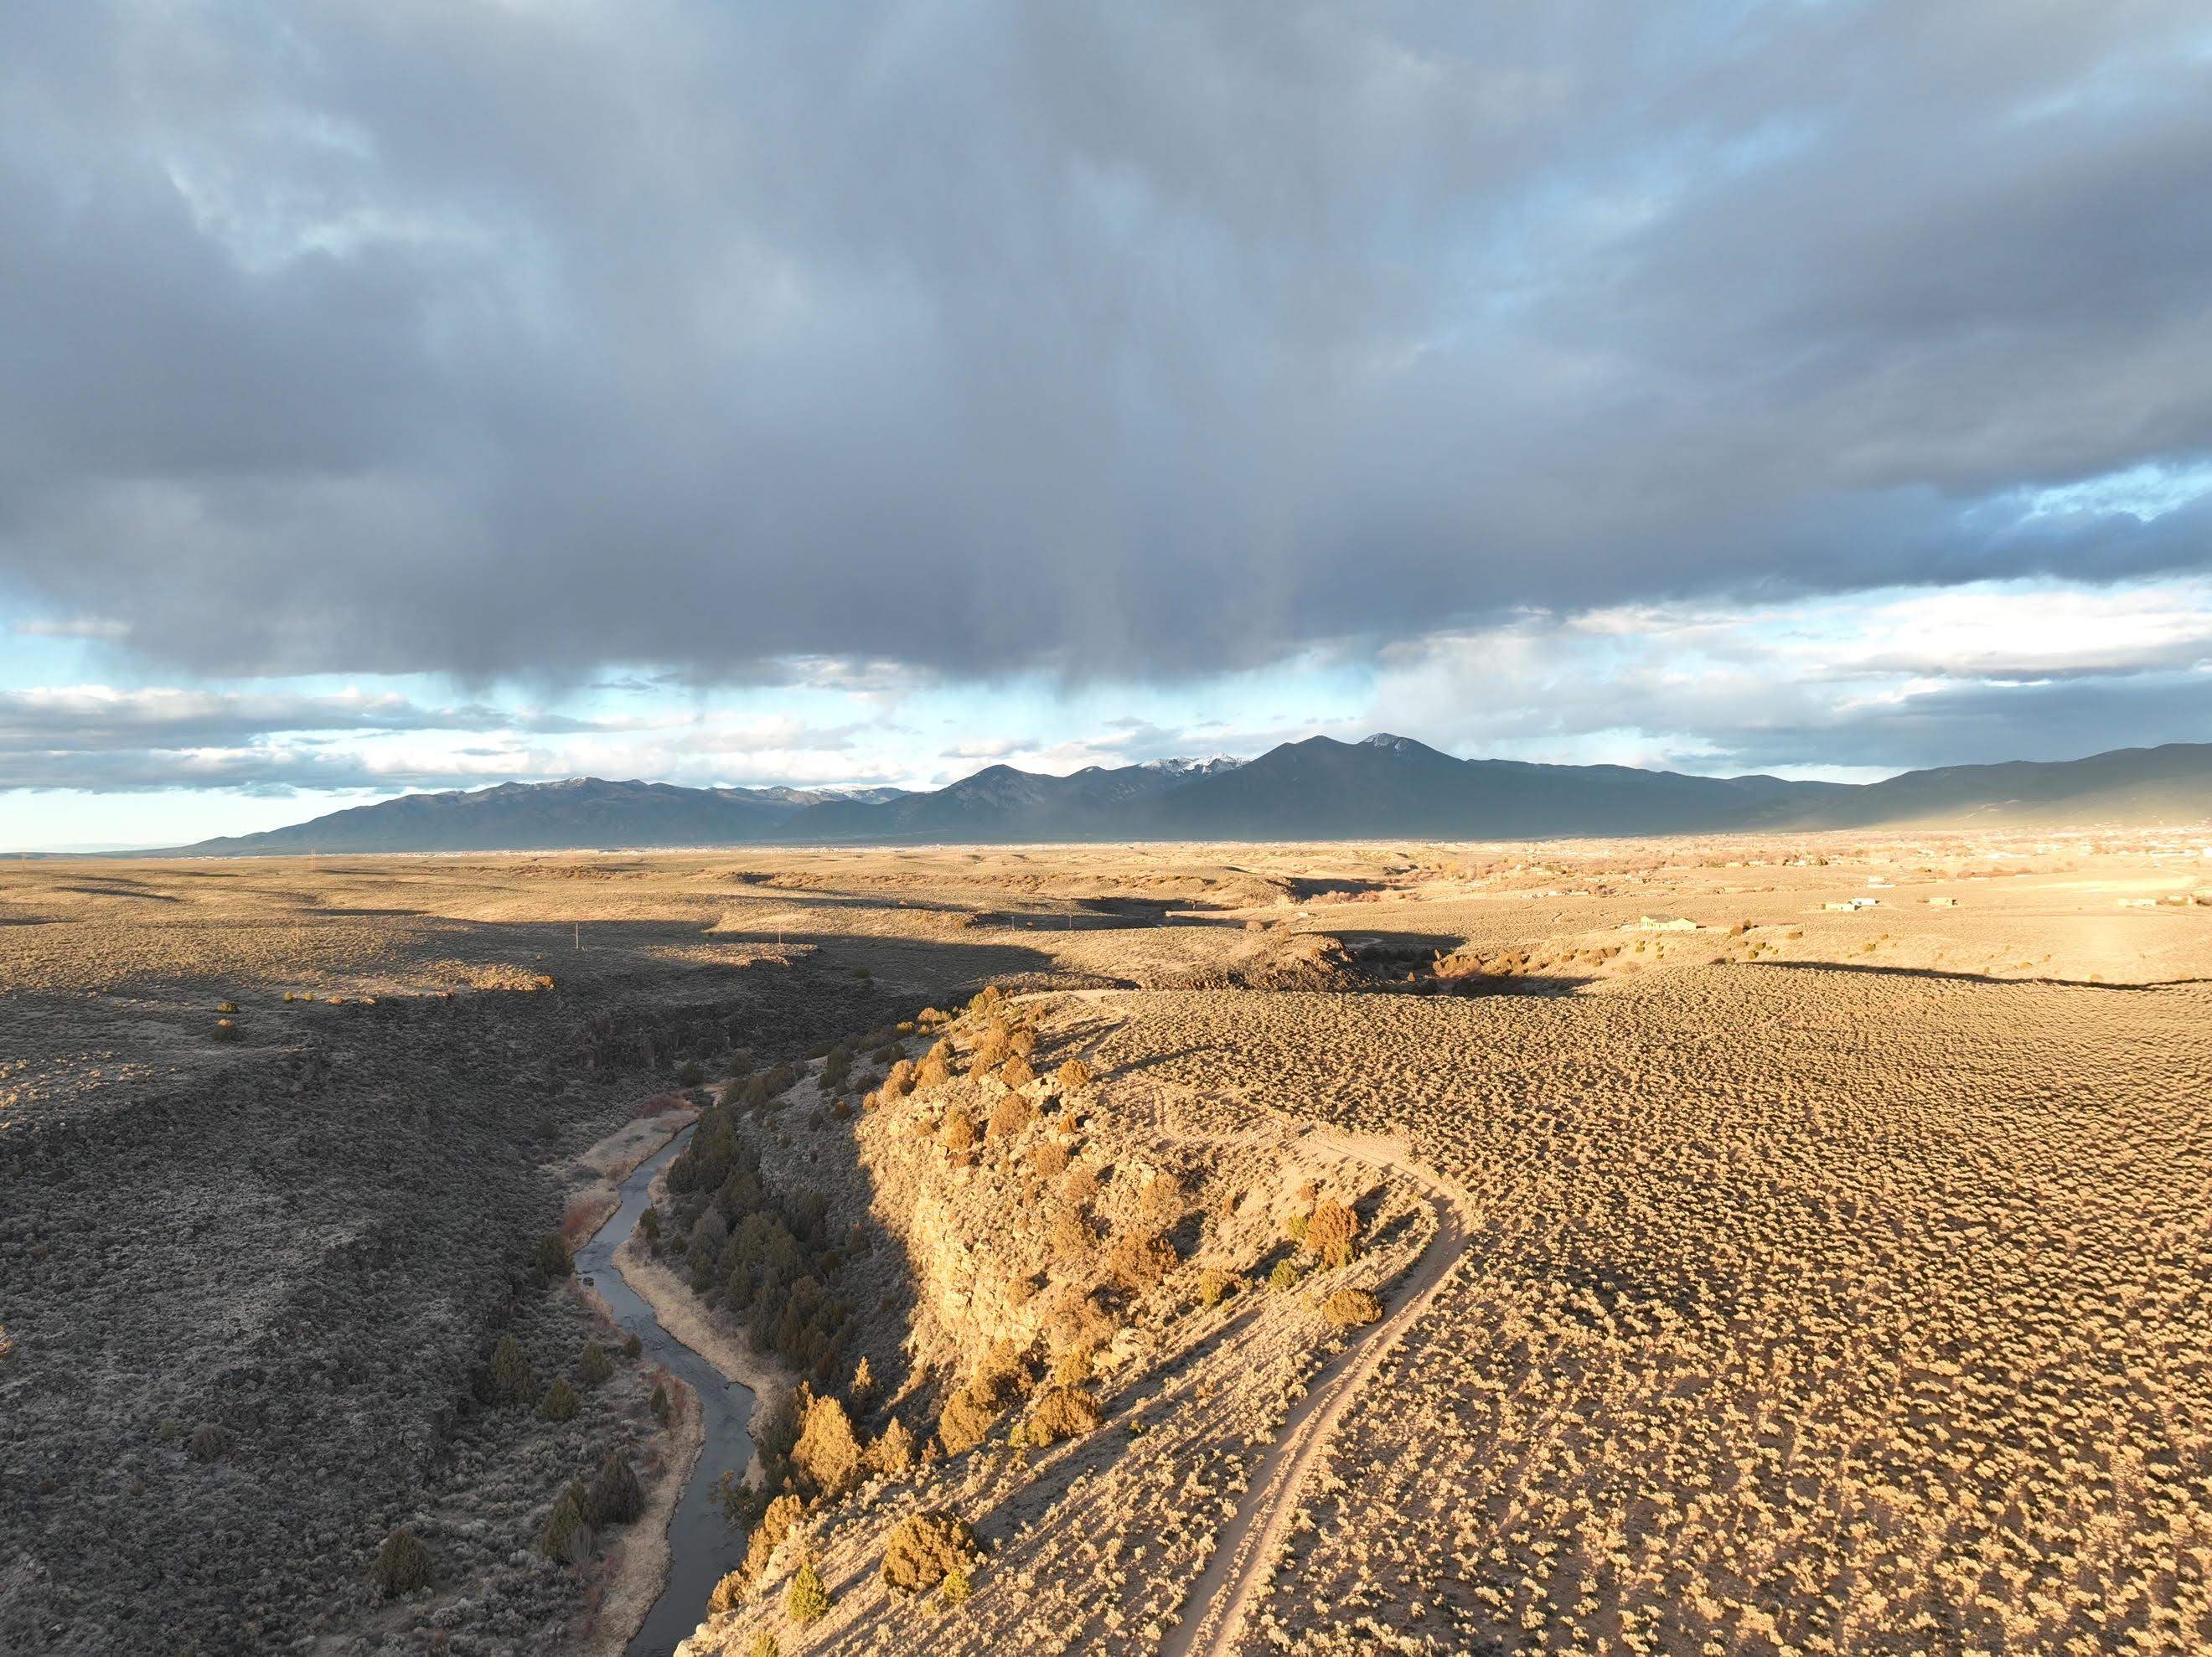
[
  {"x": 1923, "y": 677},
  {"x": 494, "y": 340},
  {"x": 1971, "y": 724},
  {"x": 94, "y": 720},
  {"x": 97, "y": 738}
]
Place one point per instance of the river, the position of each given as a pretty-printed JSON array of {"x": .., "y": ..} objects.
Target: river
[{"x": 701, "y": 1546}]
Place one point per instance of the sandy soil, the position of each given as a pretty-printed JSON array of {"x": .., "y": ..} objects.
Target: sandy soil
[{"x": 1246, "y": 1553}]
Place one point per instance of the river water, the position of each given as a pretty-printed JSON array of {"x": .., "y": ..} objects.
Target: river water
[{"x": 702, "y": 1545}]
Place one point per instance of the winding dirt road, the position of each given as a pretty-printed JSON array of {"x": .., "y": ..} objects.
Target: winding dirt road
[{"x": 1243, "y": 1563}]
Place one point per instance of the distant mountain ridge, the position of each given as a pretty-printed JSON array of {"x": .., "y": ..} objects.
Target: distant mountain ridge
[
  {"x": 1383, "y": 787},
  {"x": 534, "y": 817}
]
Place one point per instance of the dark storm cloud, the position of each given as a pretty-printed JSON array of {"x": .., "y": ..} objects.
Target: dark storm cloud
[
  {"x": 1970, "y": 723},
  {"x": 1153, "y": 339}
]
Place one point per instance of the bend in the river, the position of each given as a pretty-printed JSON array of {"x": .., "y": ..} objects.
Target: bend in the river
[{"x": 701, "y": 1547}]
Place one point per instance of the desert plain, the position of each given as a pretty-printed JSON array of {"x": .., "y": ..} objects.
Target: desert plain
[{"x": 1795, "y": 1244}]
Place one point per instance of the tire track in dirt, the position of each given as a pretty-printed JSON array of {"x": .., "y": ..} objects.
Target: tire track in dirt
[{"x": 1242, "y": 1568}]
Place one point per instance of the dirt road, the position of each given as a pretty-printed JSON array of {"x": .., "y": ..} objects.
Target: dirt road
[{"x": 1242, "y": 1564}]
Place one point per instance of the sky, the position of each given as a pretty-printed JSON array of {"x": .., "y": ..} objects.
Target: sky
[{"x": 399, "y": 396}]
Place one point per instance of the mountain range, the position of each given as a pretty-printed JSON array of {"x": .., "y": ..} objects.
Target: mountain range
[{"x": 1384, "y": 787}]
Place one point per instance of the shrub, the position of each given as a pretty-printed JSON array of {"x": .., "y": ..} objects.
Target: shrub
[
  {"x": 691, "y": 1075},
  {"x": 566, "y": 1535},
  {"x": 1163, "y": 1201},
  {"x": 933, "y": 1072},
  {"x": 1283, "y": 1276},
  {"x": 1333, "y": 1233},
  {"x": 1022, "y": 1041},
  {"x": 1140, "y": 1260},
  {"x": 551, "y": 1256},
  {"x": 1348, "y": 1309},
  {"x": 967, "y": 1419},
  {"x": 1063, "y": 1412},
  {"x": 708, "y": 1232},
  {"x": 1010, "y": 1115},
  {"x": 1002, "y": 1375},
  {"x": 768, "y": 1536},
  {"x": 632, "y": 1346},
  {"x": 225, "y": 1030},
  {"x": 1071, "y": 1237},
  {"x": 649, "y": 1224},
  {"x": 403, "y": 1564},
  {"x": 1049, "y": 1158},
  {"x": 229, "y": 1007},
  {"x": 593, "y": 1366},
  {"x": 1081, "y": 1184},
  {"x": 208, "y": 1442},
  {"x": 898, "y": 1081},
  {"x": 1074, "y": 1076},
  {"x": 777, "y": 1424},
  {"x": 1297, "y": 1227},
  {"x": 561, "y": 1401},
  {"x": 512, "y": 1381},
  {"x": 894, "y": 1453},
  {"x": 806, "y": 1601},
  {"x": 1015, "y": 1073},
  {"x": 925, "y": 1548},
  {"x": 1072, "y": 1364},
  {"x": 616, "y": 1498},
  {"x": 740, "y": 1503},
  {"x": 1215, "y": 1286},
  {"x": 955, "y": 1588},
  {"x": 958, "y": 1133},
  {"x": 729, "y": 1594},
  {"x": 764, "y": 1645},
  {"x": 662, "y": 1409},
  {"x": 987, "y": 1053},
  {"x": 827, "y": 1454}
]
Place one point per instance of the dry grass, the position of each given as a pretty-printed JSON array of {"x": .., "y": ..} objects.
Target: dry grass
[{"x": 1840, "y": 1279}]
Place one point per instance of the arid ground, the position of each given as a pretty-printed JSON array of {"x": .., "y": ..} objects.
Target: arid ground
[{"x": 1791, "y": 1245}]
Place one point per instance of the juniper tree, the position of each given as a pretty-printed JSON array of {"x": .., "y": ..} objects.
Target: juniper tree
[
  {"x": 512, "y": 1381},
  {"x": 403, "y": 1564}
]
